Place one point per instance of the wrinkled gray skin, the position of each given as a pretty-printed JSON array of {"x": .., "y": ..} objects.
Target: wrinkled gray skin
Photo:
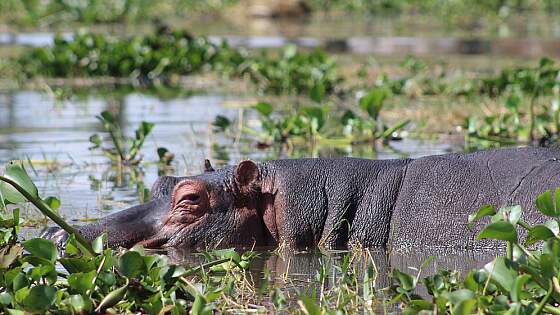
[{"x": 339, "y": 202}]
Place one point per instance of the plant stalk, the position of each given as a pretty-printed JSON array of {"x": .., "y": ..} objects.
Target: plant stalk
[{"x": 47, "y": 211}]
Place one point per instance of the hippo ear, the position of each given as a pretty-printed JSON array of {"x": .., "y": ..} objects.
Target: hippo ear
[
  {"x": 207, "y": 166},
  {"x": 246, "y": 174}
]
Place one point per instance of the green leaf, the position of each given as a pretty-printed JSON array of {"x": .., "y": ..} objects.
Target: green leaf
[
  {"x": 373, "y": 101},
  {"x": 82, "y": 282},
  {"x": 112, "y": 298},
  {"x": 39, "y": 298},
  {"x": 131, "y": 264},
  {"x": 199, "y": 306},
  {"x": 484, "y": 211},
  {"x": 499, "y": 231},
  {"x": 41, "y": 248},
  {"x": 6, "y": 298},
  {"x": 221, "y": 123},
  {"x": 553, "y": 226},
  {"x": 547, "y": 263},
  {"x": 545, "y": 205},
  {"x": 538, "y": 233},
  {"x": 309, "y": 306},
  {"x": 317, "y": 92},
  {"x": 52, "y": 202},
  {"x": 107, "y": 117},
  {"x": 79, "y": 304},
  {"x": 405, "y": 281},
  {"x": 503, "y": 271},
  {"x": 77, "y": 264},
  {"x": 96, "y": 140},
  {"x": 17, "y": 173},
  {"x": 517, "y": 288},
  {"x": 514, "y": 214},
  {"x": 265, "y": 109},
  {"x": 99, "y": 243},
  {"x": 464, "y": 307},
  {"x": 460, "y": 295}
]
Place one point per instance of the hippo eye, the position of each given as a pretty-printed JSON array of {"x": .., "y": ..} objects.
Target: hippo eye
[{"x": 191, "y": 198}]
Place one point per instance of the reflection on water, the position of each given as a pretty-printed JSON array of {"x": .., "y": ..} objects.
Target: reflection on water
[
  {"x": 54, "y": 136},
  {"x": 297, "y": 272}
]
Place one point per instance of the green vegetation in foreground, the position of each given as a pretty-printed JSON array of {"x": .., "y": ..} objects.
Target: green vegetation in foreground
[
  {"x": 523, "y": 282},
  {"x": 161, "y": 57},
  {"x": 98, "y": 279}
]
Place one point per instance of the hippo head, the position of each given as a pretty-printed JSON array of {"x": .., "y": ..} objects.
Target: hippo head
[{"x": 222, "y": 208}]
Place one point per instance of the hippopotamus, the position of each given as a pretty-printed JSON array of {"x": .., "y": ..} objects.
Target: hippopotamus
[{"x": 334, "y": 202}]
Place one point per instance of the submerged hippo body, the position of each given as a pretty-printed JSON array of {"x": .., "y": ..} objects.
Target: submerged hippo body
[{"x": 335, "y": 202}]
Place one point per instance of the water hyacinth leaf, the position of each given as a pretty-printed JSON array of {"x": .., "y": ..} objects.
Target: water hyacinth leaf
[
  {"x": 553, "y": 226},
  {"x": 372, "y": 102},
  {"x": 405, "y": 281},
  {"x": 503, "y": 272},
  {"x": 458, "y": 296},
  {"x": 514, "y": 214},
  {"x": 77, "y": 264},
  {"x": 265, "y": 109},
  {"x": 547, "y": 265},
  {"x": 106, "y": 117},
  {"x": 144, "y": 130},
  {"x": 517, "y": 288},
  {"x": 221, "y": 123},
  {"x": 82, "y": 282},
  {"x": 41, "y": 248},
  {"x": 15, "y": 172},
  {"x": 96, "y": 140},
  {"x": 464, "y": 307},
  {"x": 317, "y": 92},
  {"x": 79, "y": 304},
  {"x": 6, "y": 298},
  {"x": 503, "y": 231},
  {"x": 131, "y": 264},
  {"x": 545, "y": 205},
  {"x": 112, "y": 298},
  {"x": 199, "y": 306},
  {"x": 40, "y": 298},
  {"x": 52, "y": 202},
  {"x": 484, "y": 211},
  {"x": 538, "y": 233},
  {"x": 420, "y": 305},
  {"x": 99, "y": 243}
]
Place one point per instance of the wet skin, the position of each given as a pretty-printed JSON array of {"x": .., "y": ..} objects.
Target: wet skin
[{"x": 334, "y": 203}]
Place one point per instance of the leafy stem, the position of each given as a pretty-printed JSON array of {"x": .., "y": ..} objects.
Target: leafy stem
[{"x": 47, "y": 211}]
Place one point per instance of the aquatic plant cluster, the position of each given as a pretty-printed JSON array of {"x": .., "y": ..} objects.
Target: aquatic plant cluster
[
  {"x": 103, "y": 280},
  {"x": 156, "y": 57}
]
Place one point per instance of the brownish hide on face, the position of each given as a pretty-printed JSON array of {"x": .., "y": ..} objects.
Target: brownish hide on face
[{"x": 218, "y": 208}]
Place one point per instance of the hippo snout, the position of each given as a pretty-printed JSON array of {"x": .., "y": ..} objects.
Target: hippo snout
[{"x": 57, "y": 236}]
